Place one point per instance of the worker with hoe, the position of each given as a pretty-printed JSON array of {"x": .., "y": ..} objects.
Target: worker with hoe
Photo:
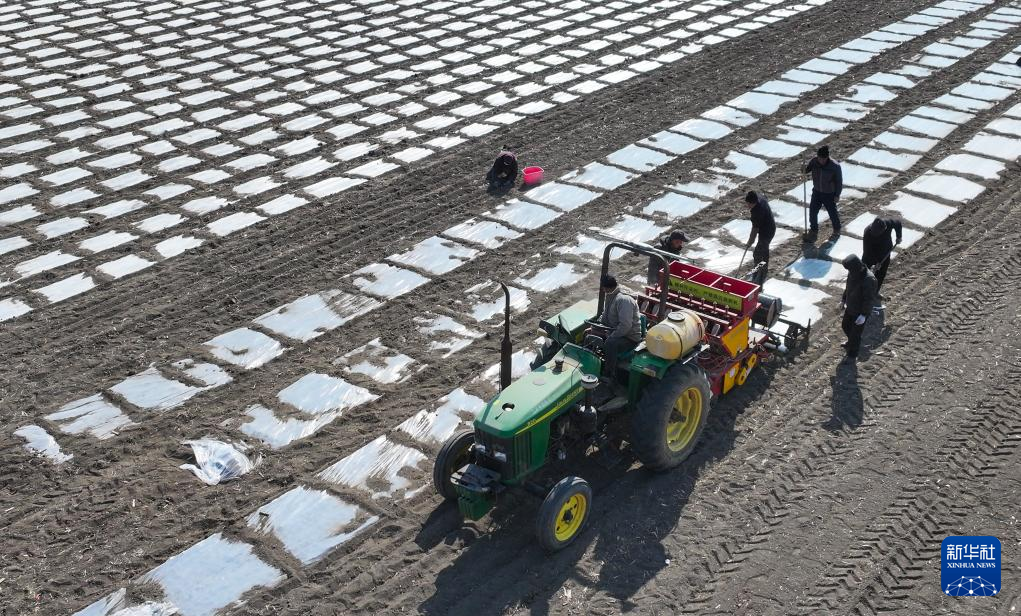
[
  {"x": 763, "y": 228},
  {"x": 877, "y": 246},
  {"x": 672, "y": 244},
  {"x": 622, "y": 317},
  {"x": 860, "y": 293},
  {"x": 827, "y": 183}
]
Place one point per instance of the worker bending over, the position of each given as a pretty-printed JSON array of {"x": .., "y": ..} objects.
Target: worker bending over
[
  {"x": 763, "y": 228},
  {"x": 877, "y": 247}
]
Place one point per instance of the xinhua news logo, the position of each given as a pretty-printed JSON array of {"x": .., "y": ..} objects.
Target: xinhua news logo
[{"x": 971, "y": 566}]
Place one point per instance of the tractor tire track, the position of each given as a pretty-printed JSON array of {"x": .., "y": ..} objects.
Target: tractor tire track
[
  {"x": 895, "y": 379},
  {"x": 879, "y": 572}
]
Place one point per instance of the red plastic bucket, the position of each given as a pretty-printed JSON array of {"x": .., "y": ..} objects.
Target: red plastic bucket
[{"x": 532, "y": 175}]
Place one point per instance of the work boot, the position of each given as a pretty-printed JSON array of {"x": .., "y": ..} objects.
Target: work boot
[{"x": 811, "y": 236}]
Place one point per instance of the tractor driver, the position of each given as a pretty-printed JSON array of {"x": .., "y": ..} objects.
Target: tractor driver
[{"x": 622, "y": 317}]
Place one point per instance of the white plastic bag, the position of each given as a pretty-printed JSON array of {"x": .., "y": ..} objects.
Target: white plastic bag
[{"x": 218, "y": 461}]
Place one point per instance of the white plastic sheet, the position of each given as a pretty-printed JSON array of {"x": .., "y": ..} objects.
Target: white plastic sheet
[
  {"x": 117, "y": 604},
  {"x": 211, "y": 575}
]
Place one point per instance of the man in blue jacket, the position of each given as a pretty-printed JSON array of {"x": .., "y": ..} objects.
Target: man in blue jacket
[{"x": 827, "y": 183}]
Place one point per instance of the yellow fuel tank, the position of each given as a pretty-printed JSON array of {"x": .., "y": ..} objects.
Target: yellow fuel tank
[{"x": 677, "y": 334}]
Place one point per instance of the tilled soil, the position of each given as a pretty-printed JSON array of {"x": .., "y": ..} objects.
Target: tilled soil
[{"x": 819, "y": 487}]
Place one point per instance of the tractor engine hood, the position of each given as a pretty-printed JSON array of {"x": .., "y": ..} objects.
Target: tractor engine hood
[{"x": 539, "y": 395}]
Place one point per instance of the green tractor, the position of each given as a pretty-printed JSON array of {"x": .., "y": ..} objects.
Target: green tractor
[{"x": 561, "y": 408}]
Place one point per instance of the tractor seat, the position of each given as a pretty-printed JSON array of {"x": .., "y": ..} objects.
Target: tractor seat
[{"x": 627, "y": 355}]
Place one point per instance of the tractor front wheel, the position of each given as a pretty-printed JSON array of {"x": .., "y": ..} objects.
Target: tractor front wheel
[
  {"x": 564, "y": 513},
  {"x": 670, "y": 416},
  {"x": 454, "y": 454}
]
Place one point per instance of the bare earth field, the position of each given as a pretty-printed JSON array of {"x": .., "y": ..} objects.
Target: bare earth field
[{"x": 322, "y": 155}]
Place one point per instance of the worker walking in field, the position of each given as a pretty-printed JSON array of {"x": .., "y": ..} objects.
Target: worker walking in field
[
  {"x": 877, "y": 246},
  {"x": 860, "y": 294},
  {"x": 673, "y": 244},
  {"x": 621, "y": 315},
  {"x": 827, "y": 184},
  {"x": 763, "y": 228}
]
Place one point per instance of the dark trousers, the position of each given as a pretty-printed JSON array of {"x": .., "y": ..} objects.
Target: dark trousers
[
  {"x": 820, "y": 200},
  {"x": 614, "y": 346},
  {"x": 880, "y": 272},
  {"x": 761, "y": 255},
  {"x": 499, "y": 178},
  {"x": 853, "y": 332}
]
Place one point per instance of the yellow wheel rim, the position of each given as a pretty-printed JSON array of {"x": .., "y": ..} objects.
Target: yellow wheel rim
[
  {"x": 684, "y": 420},
  {"x": 572, "y": 514}
]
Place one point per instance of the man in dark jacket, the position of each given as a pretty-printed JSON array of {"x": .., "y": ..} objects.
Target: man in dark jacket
[
  {"x": 827, "y": 183},
  {"x": 859, "y": 297},
  {"x": 764, "y": 228},
  {"x": 622, "y": 316},
  {"x": 672, "y": 244},
  {"x": 877, "y": 244}
]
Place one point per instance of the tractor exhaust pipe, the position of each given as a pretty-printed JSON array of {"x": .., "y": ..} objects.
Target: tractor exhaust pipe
[{"x": 505, "y": 346}]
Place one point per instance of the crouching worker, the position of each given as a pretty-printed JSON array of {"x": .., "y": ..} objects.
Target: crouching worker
[
  {"x": 673, "y": 244},
  {"x": 622, "y": 317},
  {"x": 859, "y": 298},
  {"x": 504, "y": 171}
]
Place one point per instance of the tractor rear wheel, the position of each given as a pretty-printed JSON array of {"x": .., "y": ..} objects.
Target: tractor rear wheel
[
  {"x": 670, "y": 416},
  {"x": 564, "y": 513},
  {"x": 454, "y": 454}
]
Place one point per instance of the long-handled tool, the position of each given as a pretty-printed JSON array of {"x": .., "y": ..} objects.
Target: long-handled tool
[
  {"x": 743, "y": 255},
  {"x": 804, "y": 201},
  {"x": 875, "y": 268}
]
